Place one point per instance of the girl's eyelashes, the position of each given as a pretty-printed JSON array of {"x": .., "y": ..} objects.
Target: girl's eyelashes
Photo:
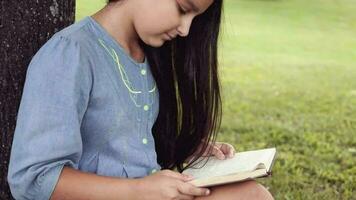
[{"x": 181, "y": 10}]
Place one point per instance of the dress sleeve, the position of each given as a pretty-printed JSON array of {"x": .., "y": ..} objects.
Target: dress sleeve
[{"x": 47, "y": 134}]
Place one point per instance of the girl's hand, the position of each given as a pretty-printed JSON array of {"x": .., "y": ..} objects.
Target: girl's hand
[
  {"x": 167, "y": 185},
  {"x": 221, "y": 150}
]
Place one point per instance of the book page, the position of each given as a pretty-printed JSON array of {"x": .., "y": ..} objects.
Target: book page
[{"x": 241, "y": 162}]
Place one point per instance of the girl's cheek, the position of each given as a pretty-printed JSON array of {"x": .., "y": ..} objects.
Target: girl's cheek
[
  {"x": 163, "y": 19},
  {"x": 159, "y": 26},
  {"x": 151, "y": 24},
  {"x": 151, "y": 35}
]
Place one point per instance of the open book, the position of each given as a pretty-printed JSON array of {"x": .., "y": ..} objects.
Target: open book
[{"x": 243, "y": 166}]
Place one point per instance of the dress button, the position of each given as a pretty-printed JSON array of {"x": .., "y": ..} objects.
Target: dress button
[
  {"x": 146, "y": 107},
  {"x": 143, "y": 71},
  {"x": 144, "y": 140}
]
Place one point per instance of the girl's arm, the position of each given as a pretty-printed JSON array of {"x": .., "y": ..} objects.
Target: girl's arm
[
  {"x": 162, "y": 185},
  {"x": 78, "y": 185}
]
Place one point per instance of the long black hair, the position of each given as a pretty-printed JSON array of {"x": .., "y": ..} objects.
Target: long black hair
[{"x": 186, "y": 73}]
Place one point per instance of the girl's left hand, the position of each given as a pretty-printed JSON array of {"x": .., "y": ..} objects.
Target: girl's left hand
[{"x": 221, "y": 150}]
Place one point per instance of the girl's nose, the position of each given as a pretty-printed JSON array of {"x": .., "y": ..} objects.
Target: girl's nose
[{"x": 183, "y": 29}]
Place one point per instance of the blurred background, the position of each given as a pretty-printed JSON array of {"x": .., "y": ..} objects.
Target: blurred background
[{"x": 288, "y": 72}]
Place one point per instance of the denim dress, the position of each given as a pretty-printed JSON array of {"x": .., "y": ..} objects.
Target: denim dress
[{"x": 85, "y": 104}]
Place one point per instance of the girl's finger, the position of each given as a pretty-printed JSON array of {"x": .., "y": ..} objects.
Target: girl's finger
[
  {"x": 218, "y": 153},
  {"x": 231, "y": 151},
  {"x": 185, "y": 197},
  {"x": 191, "y": 190},
  {"x": 177, "y": 175},
  {"x": 227, "y": 149}
]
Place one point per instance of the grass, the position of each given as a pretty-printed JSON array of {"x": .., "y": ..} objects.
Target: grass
[{"x": 288, "y": 71}]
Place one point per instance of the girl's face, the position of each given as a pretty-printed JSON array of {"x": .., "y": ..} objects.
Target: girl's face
[{"x": 156, "y": 21}]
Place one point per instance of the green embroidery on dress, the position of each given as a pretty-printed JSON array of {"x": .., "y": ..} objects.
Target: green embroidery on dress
[
  {"x": 124, "y": 77},
  {"x": 132, "y": 92}
]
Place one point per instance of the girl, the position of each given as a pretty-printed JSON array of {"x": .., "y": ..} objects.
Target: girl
[{"x": 114, "y": 103}]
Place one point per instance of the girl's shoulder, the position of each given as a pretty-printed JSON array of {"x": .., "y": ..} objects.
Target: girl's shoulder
[
  {"x": 65, "y": 52},
  {"x": 69, "y": 43},
  {"x": 78, "y": 34}
]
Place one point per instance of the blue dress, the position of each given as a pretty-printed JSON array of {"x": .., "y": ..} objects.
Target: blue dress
[{"x": 85, "y": 104}]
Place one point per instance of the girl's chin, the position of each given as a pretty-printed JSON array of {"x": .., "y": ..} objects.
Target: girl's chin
[{"x": 157, "y": 42}]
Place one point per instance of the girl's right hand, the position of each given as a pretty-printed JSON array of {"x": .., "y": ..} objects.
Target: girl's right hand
[{"x": 168, "y": 185}]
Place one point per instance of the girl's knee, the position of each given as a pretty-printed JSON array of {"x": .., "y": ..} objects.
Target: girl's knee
[
  {"x": 248, "y": 190},
  {"x": 254, "y": 190}
]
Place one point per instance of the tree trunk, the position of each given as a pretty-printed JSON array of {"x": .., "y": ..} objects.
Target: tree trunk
[{"x": 25, "y": 25}]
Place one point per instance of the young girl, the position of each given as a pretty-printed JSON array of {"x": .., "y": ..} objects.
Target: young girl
[{"x": 114, "y": 103}]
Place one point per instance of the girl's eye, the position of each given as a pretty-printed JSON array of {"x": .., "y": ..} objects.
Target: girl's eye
[{"x": 181, "y": 10}]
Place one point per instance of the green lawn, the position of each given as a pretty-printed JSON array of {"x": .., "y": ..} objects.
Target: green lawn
[{"x": 288, "y": 71}]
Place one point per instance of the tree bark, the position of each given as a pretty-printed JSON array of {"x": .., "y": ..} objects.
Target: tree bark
[{"x": 25, "y": 25}]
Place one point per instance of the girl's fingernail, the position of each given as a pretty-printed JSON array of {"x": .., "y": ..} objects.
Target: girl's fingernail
[{"x": 207, "y": 192}]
